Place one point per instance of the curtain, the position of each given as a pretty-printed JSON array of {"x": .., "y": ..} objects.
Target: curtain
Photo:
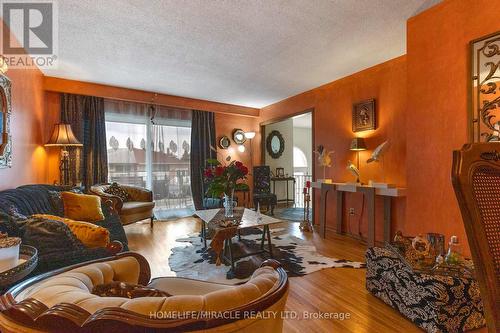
[
  {"x": 202, "y": 137},
  {"x": 85, "y": 114}
]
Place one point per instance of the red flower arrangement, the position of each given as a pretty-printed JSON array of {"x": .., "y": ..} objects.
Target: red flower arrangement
[{"x": 224, "y": 179}]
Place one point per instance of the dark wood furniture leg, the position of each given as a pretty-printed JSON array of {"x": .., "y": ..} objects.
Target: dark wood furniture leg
[
  {"x": 268, "y": 232},
  {"x": 322, "y": 212},
  {"x": 340, "y": 211},
  {"x": 387, "y": 218},
  {"x": 204, "y": 233},
  {"x": 369, "y": 192},
  {"x": 287, "y": 199}
]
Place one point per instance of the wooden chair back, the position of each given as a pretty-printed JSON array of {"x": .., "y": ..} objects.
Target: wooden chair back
[{"x": 476, "y": 180}]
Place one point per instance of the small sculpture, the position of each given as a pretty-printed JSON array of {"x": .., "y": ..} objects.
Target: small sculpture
[
  {"x": 324, "y": 158},
  {"x": 353, "y": 170},
  {"x": 378, "y": 156},
  {"x": 378, "y": 152}
]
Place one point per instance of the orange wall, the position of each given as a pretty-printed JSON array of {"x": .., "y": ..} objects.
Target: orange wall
[
  {"x": 29, "y": 132},
  {"x": 332, "y": 105},
  {"x": 437, "y": 107},
  {"x": 224, "y": 125}
]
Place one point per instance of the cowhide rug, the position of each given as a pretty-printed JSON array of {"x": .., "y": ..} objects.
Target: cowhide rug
[{"x": 297, "y": 256}]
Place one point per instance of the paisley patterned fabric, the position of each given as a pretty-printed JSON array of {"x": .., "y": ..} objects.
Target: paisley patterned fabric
[
  {"x": 436, "y": 303},
  {"x": 117, "y": 190}
]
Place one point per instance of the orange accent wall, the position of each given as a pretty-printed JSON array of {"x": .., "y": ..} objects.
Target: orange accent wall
[
  {"x": 437, "y": 107},
  {"x": 332, "y": 105},
  {"x": 28, "y": 126},
  {"x": 224, "y": 125}
]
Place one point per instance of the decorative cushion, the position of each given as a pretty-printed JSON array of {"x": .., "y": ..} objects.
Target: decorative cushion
[
  {"x": 115, "y": 189},
  {"x": 57, "y": 202},
  {"x": 49, "y": 237},
  {"x": 89, "y": 234},
  {"x": 8, "y": 225},
  {"x": 82, "y": 207},
  {"x": 127, "y": 290}
]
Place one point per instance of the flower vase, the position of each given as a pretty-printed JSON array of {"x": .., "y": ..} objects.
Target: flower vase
[{"x": 228, "y": 205}]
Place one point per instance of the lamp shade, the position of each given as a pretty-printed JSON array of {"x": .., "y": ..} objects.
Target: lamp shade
[
  {"x": 63, "y": 136},
  {"x": 358, "y": 144}
]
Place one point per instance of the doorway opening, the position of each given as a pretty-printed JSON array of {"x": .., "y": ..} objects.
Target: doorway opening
[{"x": 294, "y": 166}]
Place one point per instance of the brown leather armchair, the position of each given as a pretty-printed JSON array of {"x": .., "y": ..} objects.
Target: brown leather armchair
[{"x": 138, "y": 208}]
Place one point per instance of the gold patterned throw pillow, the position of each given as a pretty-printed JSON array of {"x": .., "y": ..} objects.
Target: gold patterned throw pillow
[
  {"x": 82, "y": 207},
  {"x": 117, "y": 190},
  {"x": 89, "y": 234}
]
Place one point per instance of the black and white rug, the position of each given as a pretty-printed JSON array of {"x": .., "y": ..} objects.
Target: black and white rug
[{"x": 297, "y": 256}]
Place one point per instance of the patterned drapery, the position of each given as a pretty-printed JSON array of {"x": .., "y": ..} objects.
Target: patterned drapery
[
  {"x": 85, "y": 114},
  {"x": 202, "y": 138}
]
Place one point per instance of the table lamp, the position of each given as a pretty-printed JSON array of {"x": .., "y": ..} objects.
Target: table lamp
[
  {"x": 357, "y": 145},
  {"x": 63, "y": 137}
]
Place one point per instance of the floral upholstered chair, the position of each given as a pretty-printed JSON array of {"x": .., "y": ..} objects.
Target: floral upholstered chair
[{"x": 262, "y": 188}]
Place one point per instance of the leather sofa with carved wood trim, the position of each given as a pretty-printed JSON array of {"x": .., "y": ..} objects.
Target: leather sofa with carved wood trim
[
  {"x": 61, "y": 301},
  {"x": 138, "y": 208}
]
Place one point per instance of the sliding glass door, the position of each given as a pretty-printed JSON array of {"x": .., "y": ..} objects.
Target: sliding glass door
[{"x": 154, "y": 154}]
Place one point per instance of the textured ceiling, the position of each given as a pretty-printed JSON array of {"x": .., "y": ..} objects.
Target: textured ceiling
[{"x": 246, "y": 52}]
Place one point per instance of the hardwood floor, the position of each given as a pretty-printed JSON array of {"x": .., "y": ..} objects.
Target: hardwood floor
[{"x": 340, "y": 290}]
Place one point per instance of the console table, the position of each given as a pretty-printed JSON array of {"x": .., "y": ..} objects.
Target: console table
[
  {"x": 370, "y": 193},
  {"x": 286, "y": 180}
]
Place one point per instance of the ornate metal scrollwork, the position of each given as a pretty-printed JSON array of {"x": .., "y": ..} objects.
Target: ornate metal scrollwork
[
  {"x": 5, "y": 134},
  {"x": 485, "y": 89}
]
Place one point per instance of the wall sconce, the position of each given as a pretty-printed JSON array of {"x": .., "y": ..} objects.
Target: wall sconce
[
  {"x": 250, "y": 135},
  {"x": 241, "y": 148}
]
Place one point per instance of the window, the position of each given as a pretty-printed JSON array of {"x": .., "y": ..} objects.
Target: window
[
  {"x": 299, "y": 158},
  {"x": 154, "y": 155}
]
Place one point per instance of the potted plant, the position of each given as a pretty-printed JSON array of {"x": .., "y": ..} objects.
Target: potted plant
[{"x": 223, "y": 180}]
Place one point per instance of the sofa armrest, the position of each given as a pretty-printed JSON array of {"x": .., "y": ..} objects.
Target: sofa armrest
[
  {"x": 138, "y": 193},
  {"x": 116, "y": 202}
]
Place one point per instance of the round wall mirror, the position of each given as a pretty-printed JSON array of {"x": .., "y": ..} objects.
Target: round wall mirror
[{"x": 275, "y": 144}]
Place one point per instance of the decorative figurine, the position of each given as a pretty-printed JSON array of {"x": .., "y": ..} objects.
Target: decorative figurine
[
  {"x": 378, "y": 156},
  {"x": 421, "y": 245},
  {"x": 324, "y": 159},
  {"x": 454, "y": 255},
  {"x": 353, "y": 170}
]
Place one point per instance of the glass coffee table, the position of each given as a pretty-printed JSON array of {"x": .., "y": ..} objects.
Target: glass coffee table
[{"x": 213, "y": 222}]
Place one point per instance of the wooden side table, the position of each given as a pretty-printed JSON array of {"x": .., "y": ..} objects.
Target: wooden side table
[
  {"x": 286, "y": 180},
  {"x": 370, "y": 193}
]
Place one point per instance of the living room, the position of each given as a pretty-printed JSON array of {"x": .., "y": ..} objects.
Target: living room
[{"x": 250, "y": 166}]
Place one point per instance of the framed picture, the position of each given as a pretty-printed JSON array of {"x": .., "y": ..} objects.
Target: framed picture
[
  {"x": 280, "y": 172},
  {"x": 364, "y": 117}
]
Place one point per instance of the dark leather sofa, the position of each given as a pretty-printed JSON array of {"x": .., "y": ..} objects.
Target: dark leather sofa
[{"x": 57, "y": 246}]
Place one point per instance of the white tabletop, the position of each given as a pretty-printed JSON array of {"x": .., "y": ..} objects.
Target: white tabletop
[{"x": 249, "y": 219}]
